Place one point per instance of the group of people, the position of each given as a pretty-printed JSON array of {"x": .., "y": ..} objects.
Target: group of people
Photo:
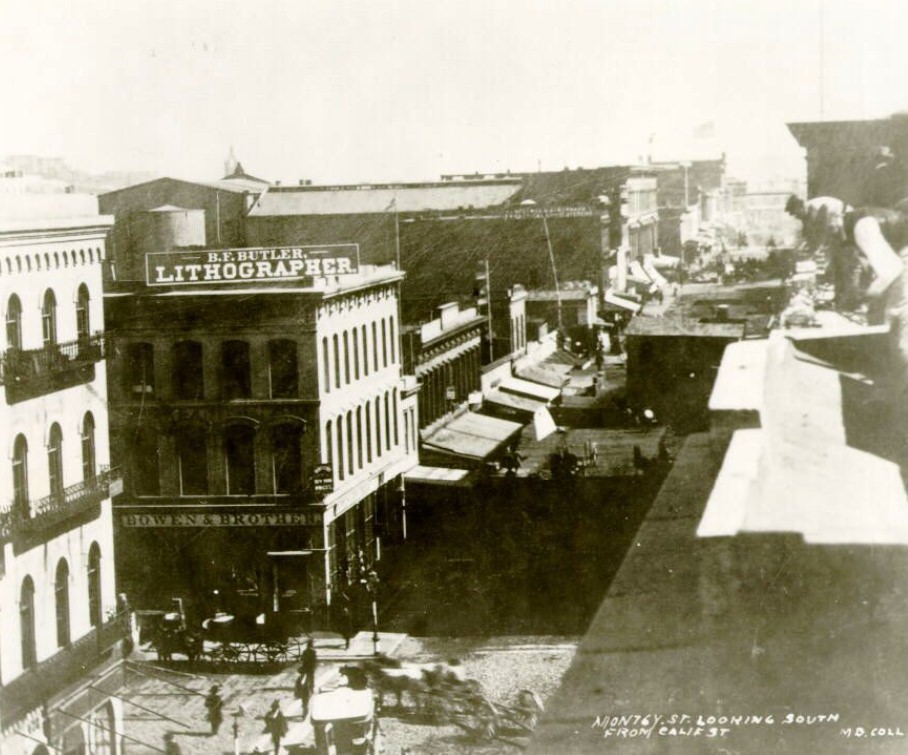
[{"x": 275, "y": 722}]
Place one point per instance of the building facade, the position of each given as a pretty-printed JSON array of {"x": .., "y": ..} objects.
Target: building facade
[
  {"x": 58, "y": 606},
  {"x": 261, "y": 424},
  {"x": 445, "y": 355}
]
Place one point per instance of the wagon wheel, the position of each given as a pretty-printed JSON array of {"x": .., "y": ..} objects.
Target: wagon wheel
[
  {"x": 231, "y": 652},
  {"x": 275, "y": 651}
]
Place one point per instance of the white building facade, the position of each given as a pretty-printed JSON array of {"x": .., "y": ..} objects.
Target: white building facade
[{"x": 58, "y": 607}]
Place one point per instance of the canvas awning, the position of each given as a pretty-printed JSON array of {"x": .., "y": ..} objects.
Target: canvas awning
[
  {"x": 529, "y": 389},
  {"x": 653, "y": 274},
  {"x": 474, "y": 436},
  {"x": 554, "y": 376},
  {"x": 438, "y": 476},
  {"x": 515, "y": 403}
]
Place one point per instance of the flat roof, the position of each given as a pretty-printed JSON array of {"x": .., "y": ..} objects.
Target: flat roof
[
  {"x": 345, "y": 200},
  {"x": 674, "y": 326}
]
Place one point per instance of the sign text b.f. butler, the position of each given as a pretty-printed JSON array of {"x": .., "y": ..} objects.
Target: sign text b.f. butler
[{"x": 238, "y": 265}]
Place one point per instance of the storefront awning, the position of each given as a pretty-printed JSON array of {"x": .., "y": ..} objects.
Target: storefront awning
[
  {"x": 513, "y": 402},
  {"x": 617, "y": 301},
  {"x": 653, "y": 274},
  {"x": 473, "y": 436},
  {"x": 530, "y": 389},
  {"x": 438, "y": 476},
  {"x": 554, "y": 376}
]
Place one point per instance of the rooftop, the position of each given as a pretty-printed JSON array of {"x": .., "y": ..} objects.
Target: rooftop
[{"x": 384, "y": 198}]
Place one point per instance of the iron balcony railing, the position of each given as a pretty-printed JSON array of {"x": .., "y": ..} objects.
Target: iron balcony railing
[
  {"x": 58, "y": 506},
  {"x": 35, "y": 686},
  {"x": 22, "y": 366}
]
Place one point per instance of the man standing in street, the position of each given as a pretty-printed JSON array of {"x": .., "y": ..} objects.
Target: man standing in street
[
  {"x": 214, "y": 708},
  {"x": 307, "y": 667},
  {"x": 276, "y": 725}
]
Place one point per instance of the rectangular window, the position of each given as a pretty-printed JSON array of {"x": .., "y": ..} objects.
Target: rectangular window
[
  {"x": 236, "y": 371},
  {"x": 192, "y": 460},
  {"x": 284, "y": 369},
  {"x": 139, "y": 369},
  {"x": 188, "y": 382}
]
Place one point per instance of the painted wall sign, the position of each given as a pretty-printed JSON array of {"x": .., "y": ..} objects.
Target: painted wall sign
[
  {"x": 194, "y": 267},
  {"x": 323, "y": 479},
  {"x": 224, "y": 519}
]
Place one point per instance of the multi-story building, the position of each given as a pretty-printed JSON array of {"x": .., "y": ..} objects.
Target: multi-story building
[
  {"x": 262, "y": 420},
  {"x": 58, "y": 605},
  {"x": 445, "y": 354}
]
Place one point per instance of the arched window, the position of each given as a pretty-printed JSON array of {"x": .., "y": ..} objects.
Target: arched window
[
  {"x": 329, "y": 448},
  {"x": 350, "y": 442},
  {"x": 340, "y": 447},
  {"x": 88, "y": 447},
  {"x": 101, "y": 730},
  {"x": 378, "y": 427},
  {"x": 236, "y": 369},
  {"x": 355, "y": 354},
  {"x": 387, "y": 422},
  {"x": 359, "y": 437},
  {"x": 20, "y": 476},
  {"x": 188, "y": 379},
  {"x": 326, "y": 365},
  {"x": 375, "y": 346},
  {"x": 14, "y": 323},
  {"x": 55, "y": 461},
  {"x": 337, "y": 363},
  {"x": 286, "y": 445},
  {"x": 192, "y": 460},
  {"x": 346, "y": 357},
  {"x": 49, "y": 318},
  {"x": 74, "y": 741},
  {"x": 384, "y": 342},
  {"x": 394, "y": 414},
  {"x": 61, "y": 602},
  {"x": 145, "y": 471},
  {"x": 365, "y": 351},
  {"x": 239, "y": 449},
  {"x": 391, "y": 340},
  {"x": 83, "y": 315},
  {"x": 284, "y": 369},
  {"x": 368, "y": 438},
  {"x": 94, "y": 584},
  {"x": 27, "y": 623}
]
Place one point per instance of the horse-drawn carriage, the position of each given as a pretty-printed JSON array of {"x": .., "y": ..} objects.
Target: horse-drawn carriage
[
  {"x": 442, "y": 693},
  {"x": 225, "y": 638}
]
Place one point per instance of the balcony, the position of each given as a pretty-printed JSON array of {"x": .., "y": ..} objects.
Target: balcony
[
  {"x": 27, "y": 373},
  {"x": 53, "y": 509},
  {"x": 65, "y": 667}
]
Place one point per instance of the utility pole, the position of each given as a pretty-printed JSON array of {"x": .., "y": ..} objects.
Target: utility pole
[
  {"x": 548, "y": 241},
  {"x": 484, "y": 299}
]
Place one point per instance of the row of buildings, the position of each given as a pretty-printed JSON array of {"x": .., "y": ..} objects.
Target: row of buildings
[{"x": 234, "y": 381}]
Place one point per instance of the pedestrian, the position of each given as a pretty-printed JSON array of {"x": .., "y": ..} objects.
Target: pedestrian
[
  {"x": 276, "y": 726},
  {"x": 346, "y": 625},
  {"x": 302, "y": 693},
  {"x": 214, "y": 706},
  {"x": 307, "y": 667},
  {"x": 170, "y": 746}
]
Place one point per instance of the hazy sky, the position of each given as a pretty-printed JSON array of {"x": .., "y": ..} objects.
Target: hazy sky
[{"x": 380, "y": 90}]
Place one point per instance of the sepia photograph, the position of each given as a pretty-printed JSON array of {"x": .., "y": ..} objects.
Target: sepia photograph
[{"x": 408, "y": 377}]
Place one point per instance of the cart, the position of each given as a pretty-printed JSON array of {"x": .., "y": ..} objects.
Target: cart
[{"x": 344, "y": 722}]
